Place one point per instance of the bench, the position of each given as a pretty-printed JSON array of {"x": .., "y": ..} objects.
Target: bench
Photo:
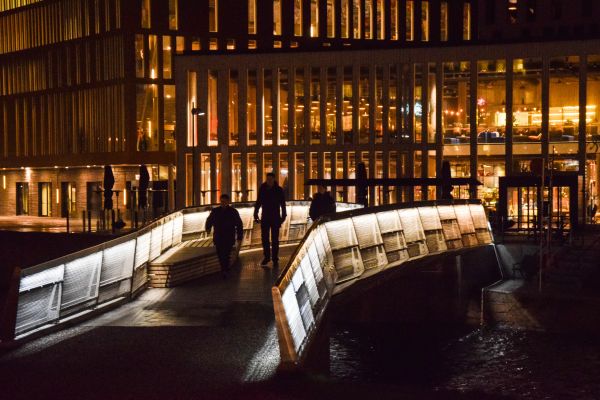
[{"x": 187, "y": 261}]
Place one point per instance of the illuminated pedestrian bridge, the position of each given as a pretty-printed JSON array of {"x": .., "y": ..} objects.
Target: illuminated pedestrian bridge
[{"x": 322, "y": 259}]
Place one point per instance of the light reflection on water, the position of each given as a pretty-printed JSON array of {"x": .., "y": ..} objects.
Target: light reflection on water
[{"x": 525, "y": 365}]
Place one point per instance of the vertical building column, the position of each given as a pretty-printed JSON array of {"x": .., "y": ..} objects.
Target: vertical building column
[
  {"x": 292, "y": 106},
  {"x": 386, "y": 104},
  {"x": 323, "y": 103},
  {"x": 201, "y": 129},
  {"x": 223, "y": 129},
  {"x": 439, "y": 129},
  {"x": 509, "y": 117},
  {"x": 410, "y": 124},
  {"x": 181, "y": 130},
  {"x": 260, "y": 106},
  {"x": 355, "y": 103},
  {"x": 307, "y": 105},
  {"x": 545, "y": 105},
  {"x": 243, "y": 128},
  {"x": 473, "y": 125},
  {"x": 372, "y": 111},
  {"x": 339, "y": 105},
  {"x": 291, "y": 175},
  {"x": 583, "y": 197},
  {"x": 275, "y": 96}
]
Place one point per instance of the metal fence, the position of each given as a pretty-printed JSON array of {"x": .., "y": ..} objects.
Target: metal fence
[
  {"x": 347, "y": 247},
  {"x": 100, "y": 275}
]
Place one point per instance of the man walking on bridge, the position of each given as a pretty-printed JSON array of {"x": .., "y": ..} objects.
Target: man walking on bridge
[
  {"x": 228, "y": 226},
  {"x": 272, "y": 200}
]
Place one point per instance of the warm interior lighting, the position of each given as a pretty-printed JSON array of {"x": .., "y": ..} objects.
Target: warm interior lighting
[
  {"x": 57, "y": 196},
  {"x": 125, "y": 197},
  {"x": 4, "y": 182}
]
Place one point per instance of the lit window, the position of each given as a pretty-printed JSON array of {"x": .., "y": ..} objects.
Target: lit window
[
  {"x": 230, "y": 44},
  {"x": 356, "y": 19},
  {"x": 146, "y": 17},
  {"x": 394, "y": 19},
  {"x": 173, "y": 23},
  {"x": 368, "y": 19},
  {"x": 213, "y": 44},
  {"x": 467, "y": 21},
  {"x": 252, "y": 17},
  {"x": 444, "y": 21},
  {"x": 297, "y": 17},
  {"x": 167, "y": 58},
  {"x": 293, "y": 44},
  {"x": 277, "y": 44},
  {"x": 330, "y": 18},
  {"x": 252, "y": 44},
  {"x": 314, "y": 18},
  {"x": 425, "y": 21},
  {"x": 213, "y": 15},
  {"x": 345, "y": 18},
  {"x": 276, "y": 17},
  {"x": 153, "y": 56},
  {"x": 139, "y": 56},
  {"x": 409, "y": 20},
  {"x": 180, "y": 45},
  {"x": 380, "y": 20},
  {"x": 196, "y": 44}
]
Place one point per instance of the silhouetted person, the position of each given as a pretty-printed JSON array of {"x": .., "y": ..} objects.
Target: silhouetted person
[
  {"x": 322, "y": 203},
  {"x": 228, "y": 227},
  {"x": 272, "y": 200}
]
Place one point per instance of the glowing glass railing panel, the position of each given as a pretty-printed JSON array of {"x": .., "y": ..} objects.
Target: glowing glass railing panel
[{"x": 117, "y": 263}]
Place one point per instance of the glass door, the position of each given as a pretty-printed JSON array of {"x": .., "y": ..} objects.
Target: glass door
[{"x": 22, "y": 198}]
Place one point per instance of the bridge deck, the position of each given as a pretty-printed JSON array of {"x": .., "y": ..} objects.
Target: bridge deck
[{"x": 208, "y": 335}]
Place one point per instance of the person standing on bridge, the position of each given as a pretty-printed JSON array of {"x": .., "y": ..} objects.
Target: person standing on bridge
[
  {"x": 322, "y": 203},
  {"x": 228, "y": 227},
  {"x": 272, "y": 200}
]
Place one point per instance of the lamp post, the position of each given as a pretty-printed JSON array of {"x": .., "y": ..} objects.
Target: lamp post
[{"x": 195, "y": 112}]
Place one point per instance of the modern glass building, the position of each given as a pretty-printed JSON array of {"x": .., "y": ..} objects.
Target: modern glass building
[{"x": 325, "y": 84}]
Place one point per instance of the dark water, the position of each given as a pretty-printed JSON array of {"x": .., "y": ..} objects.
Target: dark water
[{"x": 510, "y": 364}]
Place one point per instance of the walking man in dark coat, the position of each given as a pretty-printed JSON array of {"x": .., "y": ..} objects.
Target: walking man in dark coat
[
  {"x": 322, "y": 203},
  {"x": 272, "y": 200},
  {"x": 228, "y": 227}
]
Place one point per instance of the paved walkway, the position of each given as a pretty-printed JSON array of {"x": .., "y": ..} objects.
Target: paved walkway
[{"x": 209, "y": 336}]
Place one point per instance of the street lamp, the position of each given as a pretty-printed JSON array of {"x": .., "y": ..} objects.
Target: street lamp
[{"x": 195, "y": 112}]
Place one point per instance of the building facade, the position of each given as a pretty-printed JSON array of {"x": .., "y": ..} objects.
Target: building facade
[
  {"x": 490, "y": 111},
  {"x": 84, "y": 83}
]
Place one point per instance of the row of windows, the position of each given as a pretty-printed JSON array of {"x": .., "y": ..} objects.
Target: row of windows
[
  {"x": 377, "y": 104},
  {"x": 54, "y": 22},
  {"x": 86, "y": 121},
  {"x": 68, "y": 65},
  {"x": 6, "y": 5},
  {"x": 357, "y": 19}
]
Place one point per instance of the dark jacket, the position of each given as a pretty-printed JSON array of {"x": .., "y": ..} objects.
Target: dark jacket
[
  {"x": 227, "y": 223},
  {"x": 272, "y": 201},
  {"x": 321, "y": 204}
]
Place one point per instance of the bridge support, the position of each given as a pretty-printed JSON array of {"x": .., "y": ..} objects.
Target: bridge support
[{"x": 9, "y": 299}]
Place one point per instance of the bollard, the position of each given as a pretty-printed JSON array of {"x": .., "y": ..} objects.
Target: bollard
[
  {"x": 89, "y": 216},
  {"x": 135, "y": 219},
  {"x": 68, "y": 225},
  {"x": 83, "y": 220},
  {"x": 112, "y": 220}
]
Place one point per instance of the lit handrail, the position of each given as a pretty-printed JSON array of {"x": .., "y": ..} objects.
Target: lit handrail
[
  {"x": 101, "y": 275},
  {"x": 343, "y": 248}
]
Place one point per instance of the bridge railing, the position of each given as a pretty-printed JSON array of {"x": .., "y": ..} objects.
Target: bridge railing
[
  {"x": 58, "y": 290},
  {"x": 343, "y": 248}
]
